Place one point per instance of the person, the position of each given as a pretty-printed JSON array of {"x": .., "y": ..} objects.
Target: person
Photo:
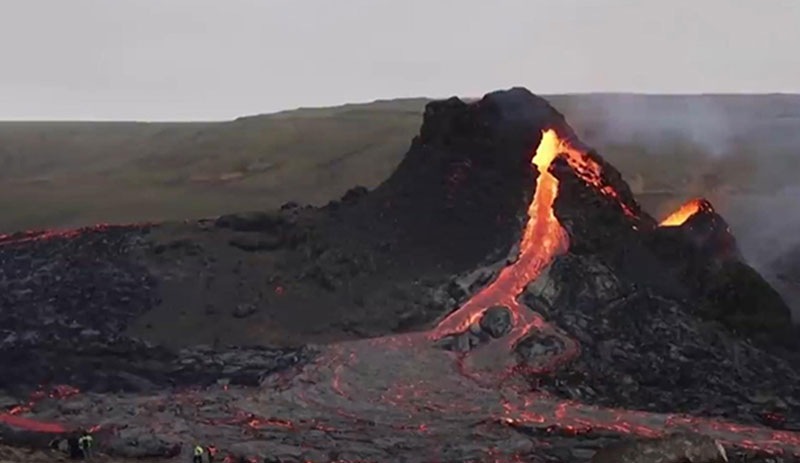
[
  {"x": 85, "y": 443},
  {"x": 212, "y": 452},
  {"x": 198, "y": 454},
  {"x": 73, "y": 447}
]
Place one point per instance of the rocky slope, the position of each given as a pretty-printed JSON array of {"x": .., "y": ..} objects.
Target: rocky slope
[{"x": 516, "y": 305}]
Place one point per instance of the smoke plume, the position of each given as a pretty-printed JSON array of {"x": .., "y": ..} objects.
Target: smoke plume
[{"x": 741, "y": 152}]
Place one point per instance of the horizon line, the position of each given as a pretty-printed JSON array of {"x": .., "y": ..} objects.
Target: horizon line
[{"x": 34, "y": 119}]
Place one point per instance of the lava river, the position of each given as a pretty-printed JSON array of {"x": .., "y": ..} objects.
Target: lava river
[
  {"x": 542, "y": 239},
  {"x": 403, "y": 398}
]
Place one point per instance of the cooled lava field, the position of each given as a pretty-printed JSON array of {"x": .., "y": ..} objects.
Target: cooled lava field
[{"x": 501, "y": 297}]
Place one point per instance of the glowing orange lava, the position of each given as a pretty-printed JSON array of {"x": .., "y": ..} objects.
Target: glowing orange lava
[
  {"x": 14, "y": 418},
  {"x": 686, "y": 211},
  {"x": 592, "y": 173},
  {"x": 542, "y": 240},
  {"x": 29, "y": 424}
]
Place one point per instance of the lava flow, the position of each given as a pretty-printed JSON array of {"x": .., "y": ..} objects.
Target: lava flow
[
  {"x": 542, "y": 240},
  {"x": 686, "y": 211},
  {"x": 13, "y": 416}
]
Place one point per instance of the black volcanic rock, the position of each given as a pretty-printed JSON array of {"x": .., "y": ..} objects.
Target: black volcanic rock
[
  {"x": 256, "y": 243},
  {"x": 61, "y": 290},
  {"x": 463, "y": 188},
  {"x": 496, "y": 321},
  {"x": 703, "y": 256},
  {"x": 250, "y": 221},
  {"x": 647, "y": 350},
  {"x": 66, "y": 302}
]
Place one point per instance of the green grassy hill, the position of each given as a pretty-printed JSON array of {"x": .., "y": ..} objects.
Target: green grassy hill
[
  {"x": 55, "y": 174},
  {"x": 64, "y": 174}
]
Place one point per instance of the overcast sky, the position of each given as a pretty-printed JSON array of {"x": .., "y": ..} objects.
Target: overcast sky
[{"x": 219, "y": 59}]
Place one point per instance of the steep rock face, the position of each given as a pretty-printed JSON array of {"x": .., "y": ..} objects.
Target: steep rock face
[
  {"x": 461, "y": 192},
  {"x": 785, "y": 273}
]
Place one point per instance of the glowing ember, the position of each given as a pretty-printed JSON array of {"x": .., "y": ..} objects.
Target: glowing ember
[
  {"x": 687, "y": 211},
  {"x": 44, "y": 235}
]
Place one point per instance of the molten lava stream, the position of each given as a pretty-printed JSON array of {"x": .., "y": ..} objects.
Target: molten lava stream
[
  {"x": 542, "y": 240},
  {"x": 573, "y": 418},
  {"x": 29, "y": 424}
]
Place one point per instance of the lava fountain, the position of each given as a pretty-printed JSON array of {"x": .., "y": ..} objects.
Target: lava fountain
[{"x": 688, "y": 210}]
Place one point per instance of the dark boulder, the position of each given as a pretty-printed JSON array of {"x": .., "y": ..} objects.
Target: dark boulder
[
  {"x": 496, "y": 321},
  {"x": 254, "y": 243},
  {"x": 244, "y": 310}
]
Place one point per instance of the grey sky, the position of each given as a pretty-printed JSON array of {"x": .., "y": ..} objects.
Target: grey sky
[{"x": 218, "y": 59}]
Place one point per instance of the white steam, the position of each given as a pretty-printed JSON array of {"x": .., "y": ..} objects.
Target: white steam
[
  {"x": 748, "y": 145},
  {"x": 652, "y": 121}
]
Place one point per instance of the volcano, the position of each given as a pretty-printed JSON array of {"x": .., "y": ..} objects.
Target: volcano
[{"x": 501, "y": 297}]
